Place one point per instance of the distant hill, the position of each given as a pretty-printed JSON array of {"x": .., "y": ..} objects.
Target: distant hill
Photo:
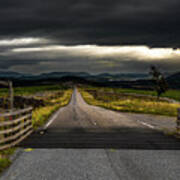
[
  {"x": 9, "y": 74},
  {"x": 174, "y": 80},
  {"x": 126, "y": 80},
  {"x": 122, "y": 76},
  {"x": 99, "y": 77},
  {"x": 62, "y": 74}
]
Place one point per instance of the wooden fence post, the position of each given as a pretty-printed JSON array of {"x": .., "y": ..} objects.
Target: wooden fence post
[
  {"x": 11, "y": 95},
  {"x": 178, "y": 119}
]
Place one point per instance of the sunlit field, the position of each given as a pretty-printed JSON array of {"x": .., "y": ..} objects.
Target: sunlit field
[{"x": 130, "y": 100}]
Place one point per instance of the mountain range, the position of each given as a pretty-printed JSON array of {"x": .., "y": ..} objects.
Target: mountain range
[
  {"x": 173, "y": 79},
  {"x": 95, "y": 77}
]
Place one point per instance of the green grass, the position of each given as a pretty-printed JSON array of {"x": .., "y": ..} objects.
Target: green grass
[
  {"x": 5, "y": 158},
  {"x": 115, "y": 99},
  {"x": 31, "y": 89},
  {"x": 41, "y": 115},
  {"x": 171, "y": 93}
]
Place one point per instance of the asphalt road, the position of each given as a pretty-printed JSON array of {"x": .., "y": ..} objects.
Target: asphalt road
[{"x": 87, "y": 142}]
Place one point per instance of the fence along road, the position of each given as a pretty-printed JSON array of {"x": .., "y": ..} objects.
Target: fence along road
[{"x": 14, "y": 127}]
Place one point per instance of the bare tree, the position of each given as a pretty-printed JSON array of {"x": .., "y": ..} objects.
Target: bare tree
[{"x": 161, "y": 85}]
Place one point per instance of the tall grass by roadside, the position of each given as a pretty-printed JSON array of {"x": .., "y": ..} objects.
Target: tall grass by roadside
[
  {"x": 128, "y": 103},
  {"x": 40, "y": 115}
]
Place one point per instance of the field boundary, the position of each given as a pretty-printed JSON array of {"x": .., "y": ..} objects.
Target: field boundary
[
  {"x": 170, "y": 100},
  {"x": 15, "y": 126}
]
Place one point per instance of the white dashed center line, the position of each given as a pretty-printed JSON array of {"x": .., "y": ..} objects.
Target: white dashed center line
[{"x": 146, "y": 124}]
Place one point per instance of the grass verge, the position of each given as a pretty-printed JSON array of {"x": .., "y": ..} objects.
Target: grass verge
[
  {"x": 41, "y": 115},
  {"x": 129, "y": 103},
  {"x": 5, "y": 158}
]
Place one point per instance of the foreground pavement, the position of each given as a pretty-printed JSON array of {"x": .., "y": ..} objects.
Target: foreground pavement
[
  {"x": 87, "y": 142},
  {"x": 95, "y": 164}
]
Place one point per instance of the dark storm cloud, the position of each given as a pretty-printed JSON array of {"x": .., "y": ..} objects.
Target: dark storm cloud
[
  {"x": 89, "y": 65},
  {"x": 42, "y": 35},
  {"x": 89, "y": 58},
  {"x": 103, "y": 22}
]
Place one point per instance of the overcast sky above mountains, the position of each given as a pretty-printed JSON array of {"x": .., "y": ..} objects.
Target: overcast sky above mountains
[{"x": 87, "y": 35}]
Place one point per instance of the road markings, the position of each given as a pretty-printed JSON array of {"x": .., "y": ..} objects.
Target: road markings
[
  {"x": 52, "y": 119},
  {"x": 146, "y": 124}
]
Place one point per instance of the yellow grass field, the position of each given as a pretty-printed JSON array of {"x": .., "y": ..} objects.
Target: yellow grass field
[{"x": 130, "y": 103}]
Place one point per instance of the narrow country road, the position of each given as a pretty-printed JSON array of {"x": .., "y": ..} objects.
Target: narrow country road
[{"x": 86, "y": 142}]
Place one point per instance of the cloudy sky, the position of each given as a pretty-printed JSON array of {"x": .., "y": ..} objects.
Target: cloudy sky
[{"x": 89, "y": 35}]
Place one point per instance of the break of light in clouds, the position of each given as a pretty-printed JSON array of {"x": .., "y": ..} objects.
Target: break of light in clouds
[
  {"x": 137, "y": 52},
  {"x": 88, "y": 35},
  {"x": 22, "y": 41},
  {"x": 51, "y": 56}
]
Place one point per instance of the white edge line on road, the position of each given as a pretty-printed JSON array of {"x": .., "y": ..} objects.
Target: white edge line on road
[
  {"x": 146, "y": 124},
  {"x": 52, "y": 119}
]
